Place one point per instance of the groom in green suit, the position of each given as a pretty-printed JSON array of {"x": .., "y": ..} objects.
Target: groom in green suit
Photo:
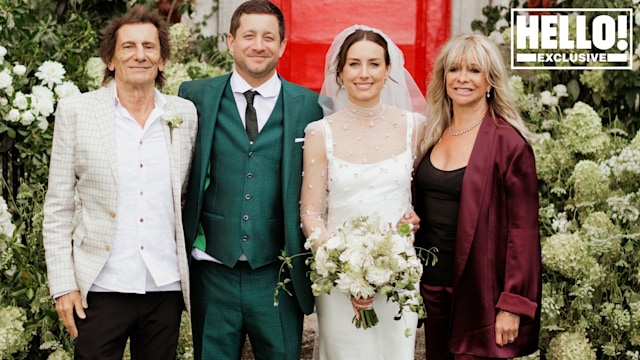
[{"x": 242, "y": 199}]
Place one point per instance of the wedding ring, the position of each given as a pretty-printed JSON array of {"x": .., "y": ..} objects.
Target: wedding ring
[{"x": 511, "y": 340}]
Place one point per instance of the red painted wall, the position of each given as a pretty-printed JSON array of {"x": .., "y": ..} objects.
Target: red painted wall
[{"x": 418, "y": 27}]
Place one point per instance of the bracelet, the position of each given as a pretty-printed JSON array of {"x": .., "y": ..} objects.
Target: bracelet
[{"x": 509, "y": 313}]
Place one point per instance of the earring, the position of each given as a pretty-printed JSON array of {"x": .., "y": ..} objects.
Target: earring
[
  {"x": 342, "y": 86},
  {"x": 489, "y": 94}
]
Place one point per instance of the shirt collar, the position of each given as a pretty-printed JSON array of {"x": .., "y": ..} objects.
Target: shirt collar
[
  {"x": 158, "y": 98},
  {"x": 270, "y": 88}
]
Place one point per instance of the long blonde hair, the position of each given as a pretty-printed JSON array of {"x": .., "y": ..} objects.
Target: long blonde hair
[{"x": 483, "y": 51}]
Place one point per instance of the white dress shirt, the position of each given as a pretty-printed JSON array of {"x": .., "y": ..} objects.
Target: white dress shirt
[
  {"x": 143, "y": 254},
  {"x": 264, "y": 102}
]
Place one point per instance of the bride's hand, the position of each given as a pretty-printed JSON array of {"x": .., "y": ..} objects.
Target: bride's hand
[
  {"x": 410, "y": 217},
  {"x": 361, "y": 304}
]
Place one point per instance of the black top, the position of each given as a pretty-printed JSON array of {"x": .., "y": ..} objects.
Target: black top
[{"x": 437, "y": 202}]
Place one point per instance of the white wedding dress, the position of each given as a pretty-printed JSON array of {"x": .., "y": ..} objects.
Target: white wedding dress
[{"x": 367, "y": 169}]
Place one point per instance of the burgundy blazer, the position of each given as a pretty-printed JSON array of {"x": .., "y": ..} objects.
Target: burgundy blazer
[{"x": 497, "y": 260}]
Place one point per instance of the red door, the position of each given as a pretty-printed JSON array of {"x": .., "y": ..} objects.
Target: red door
[{"x": 418, "y": 27}]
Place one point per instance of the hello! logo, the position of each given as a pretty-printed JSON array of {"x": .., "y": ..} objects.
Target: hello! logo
[{"x": 572, "y": 39}]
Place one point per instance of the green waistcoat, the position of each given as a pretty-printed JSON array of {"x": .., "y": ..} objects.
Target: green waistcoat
[{"x": 242, "y": 206}]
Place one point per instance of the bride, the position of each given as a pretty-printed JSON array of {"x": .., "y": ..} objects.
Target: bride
[{"x": 358, "y": 161}]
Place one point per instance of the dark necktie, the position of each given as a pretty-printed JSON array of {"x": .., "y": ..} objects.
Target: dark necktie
[{"x": 250, "y": 117}]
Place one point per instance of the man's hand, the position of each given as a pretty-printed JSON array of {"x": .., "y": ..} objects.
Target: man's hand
[
  {"x": 65, "y": 306},
  {"x": 410, "y": 217}
]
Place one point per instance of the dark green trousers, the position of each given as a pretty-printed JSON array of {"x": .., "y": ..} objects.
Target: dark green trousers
[{"x": 227, "y": 304}]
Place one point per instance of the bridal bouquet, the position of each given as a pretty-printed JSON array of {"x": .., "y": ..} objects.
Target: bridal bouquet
[{"x": 364, "y": 257}]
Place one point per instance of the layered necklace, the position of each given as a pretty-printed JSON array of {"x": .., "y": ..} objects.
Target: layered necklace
[
  {"x": 368, "y": 115},
  {"x": 473, "y": 126}
]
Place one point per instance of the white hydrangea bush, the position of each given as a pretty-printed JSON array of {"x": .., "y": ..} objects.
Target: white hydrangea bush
[{"x": 589, "y": 179}]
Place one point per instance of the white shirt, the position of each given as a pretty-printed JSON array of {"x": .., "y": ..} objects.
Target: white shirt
[
  {"x": 143, "y": 254},
  {"x": 264, "y": 102}
]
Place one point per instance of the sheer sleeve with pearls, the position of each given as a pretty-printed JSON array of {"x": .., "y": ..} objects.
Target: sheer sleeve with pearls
[{"x": 314, "y": 182}]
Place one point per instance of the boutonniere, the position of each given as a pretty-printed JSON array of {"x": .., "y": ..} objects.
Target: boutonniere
[{"x": 173, "y": 121}]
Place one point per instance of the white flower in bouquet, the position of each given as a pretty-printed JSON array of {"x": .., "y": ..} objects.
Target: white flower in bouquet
[
  {"x": 3, "y": 52},
  {"x": 364, "y": 257},
  {"x": 51, "y": 73}
]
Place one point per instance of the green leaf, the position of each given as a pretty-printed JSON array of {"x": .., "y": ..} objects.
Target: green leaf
[{"x": 573, "y": 88}]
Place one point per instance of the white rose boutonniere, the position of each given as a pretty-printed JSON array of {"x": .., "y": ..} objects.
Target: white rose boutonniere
[{"x": 172, "y": 120}]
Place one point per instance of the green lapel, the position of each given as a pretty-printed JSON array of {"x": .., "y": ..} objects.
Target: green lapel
[
  {"x": 209, "y": 104},
  {"x": 206, "y": 95},
  {"x": 293, "y": 128}
]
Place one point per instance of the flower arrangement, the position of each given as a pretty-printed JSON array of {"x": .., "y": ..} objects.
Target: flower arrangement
[
  {"x": 25, "y": 112},
  {"x": 364, "y": 258},
  {"x": 589, "y": 209}
]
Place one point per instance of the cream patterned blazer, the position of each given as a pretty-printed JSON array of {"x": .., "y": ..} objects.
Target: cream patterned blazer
[{"x": 83, "y": 161}]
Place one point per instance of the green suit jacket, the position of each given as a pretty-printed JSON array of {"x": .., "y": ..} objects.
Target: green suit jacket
[{"x": 300, "y": 108}]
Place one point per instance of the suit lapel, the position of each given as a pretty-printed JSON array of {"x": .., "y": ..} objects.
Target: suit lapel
[
  {"x": 173, "y": 140},
  {"x": 292, "y": 107},
  {"x": 472, "y": 195},
  {"x": 207, "y": 115},
  {"x": 105, "y": 118}
]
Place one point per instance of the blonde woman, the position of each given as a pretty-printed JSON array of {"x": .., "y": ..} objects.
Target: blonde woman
[{"x": 477, "y": 197}]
